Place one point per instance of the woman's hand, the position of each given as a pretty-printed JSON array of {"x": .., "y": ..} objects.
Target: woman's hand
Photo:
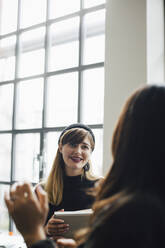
[
  {"x": 56, "y": 227},
  {"x": 28, "y": 211},
  {"x": 68, "y": 243}
]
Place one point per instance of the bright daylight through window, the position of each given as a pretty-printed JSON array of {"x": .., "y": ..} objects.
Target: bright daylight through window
[{"x": 51, "y": 75}]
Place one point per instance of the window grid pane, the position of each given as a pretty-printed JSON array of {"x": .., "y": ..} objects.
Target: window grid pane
[
  {"x": 29, "y": 113},
  {"x": 64, "y": 44},
  {"x": 35, "y": 9},
  {"x": 8, "y": 11},
  {"x": 4, "y": 218},
  {"x": 5, "y": 157},
  {"x": 7, "y": 58},
  {"x": 62, "y": 100},
  {"x": 92, "y": 3},
  {"x": 6, "y": 106},
  {"x": 26, "y": 162},
  {"x": 60, "y": 8},
  {"x": 93, "y": 96},
  {"x": 94, "y": 37}
]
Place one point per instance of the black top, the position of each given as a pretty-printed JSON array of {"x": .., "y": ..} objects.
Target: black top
[{"x": 75, "y": 195}]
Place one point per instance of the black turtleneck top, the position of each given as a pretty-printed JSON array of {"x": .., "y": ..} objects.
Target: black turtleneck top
[{"x": 75, "y": 196}]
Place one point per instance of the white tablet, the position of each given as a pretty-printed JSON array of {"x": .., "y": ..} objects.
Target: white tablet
[{"x": 75, "y": 219}]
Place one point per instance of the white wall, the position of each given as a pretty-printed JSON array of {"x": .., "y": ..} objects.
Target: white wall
[
  {"x": 126, "y": 58},
  {"x": 155, "y": 40}
]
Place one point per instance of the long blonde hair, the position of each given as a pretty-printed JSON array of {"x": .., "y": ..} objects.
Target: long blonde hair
[{"x": 54, "y": 183}]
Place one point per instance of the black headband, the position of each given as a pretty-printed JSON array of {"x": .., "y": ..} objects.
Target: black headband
[{"x": 77, "y": 125}]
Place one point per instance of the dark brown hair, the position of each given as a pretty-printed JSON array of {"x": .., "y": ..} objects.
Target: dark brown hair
[
  {"x": 76, "y": 136},
  {"x": 138, "y": 152},
  {"x": 138, "y": 145}
]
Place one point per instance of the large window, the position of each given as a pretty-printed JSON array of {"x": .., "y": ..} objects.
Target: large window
[{"x": 51, "y": 75}]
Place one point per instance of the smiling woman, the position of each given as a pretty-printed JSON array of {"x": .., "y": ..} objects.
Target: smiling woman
[
  {"x": 70, "y": 177},
  {"x": 76, "y": 156}
]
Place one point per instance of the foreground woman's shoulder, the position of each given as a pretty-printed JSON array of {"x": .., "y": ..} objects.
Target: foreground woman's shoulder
[
  {"x": 143, "y": 209},
  {"x": 130, "y": 221}
]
